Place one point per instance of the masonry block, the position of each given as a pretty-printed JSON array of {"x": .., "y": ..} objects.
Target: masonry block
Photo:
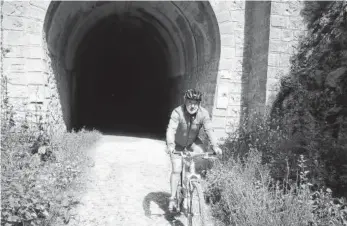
[
  {"x": 220, "y": 112},
  {"x": 224, "y": 74},
  {"x": 277, "y": 8},
  {"x": 223, "y": 16},
  {"x": 16, "y": 38},
  {"x": 234, "y": 98},
  {"x": 279, "y": 46},
  {"x": 273, "y": 73},
  {"x": 273, "y": 59},
  {"x": 227, "y": 40},
  {"x": 234, "y": 87},
  {"x": 295, "y": 23},
  {"x": 18, "y": 91},
  {"x": 37, "y": 93},
  {"x": 236, "y": 77},
  {"x": 238, "y": 16},
  {"x": 35, "y": 52},
  {"x": 227, "y": 28},
  {"x": 238, "y": 26},
  {"x": 219, "y": 122},
  {"x": 15, "y": 8},
  {"x": 227, "y": 52},
  {"x": 284, "y": 60},
  {"x": 275, "y": 33},
  {"x": 13, "y": 65},
  {"x": 287, "y": 35},
  {"x": 279, "y": 21},
  {"x": 40, "y": 4},
  {"x": 239, "y": 50},
  {"x": 293, "y": 8},
  {"x": 225, "y": 64}
]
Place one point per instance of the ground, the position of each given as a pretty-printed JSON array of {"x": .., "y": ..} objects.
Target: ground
[{"x": 128, "y": 185}]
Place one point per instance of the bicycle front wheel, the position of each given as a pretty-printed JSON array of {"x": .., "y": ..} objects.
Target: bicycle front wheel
[{"x": 197, "y": 209}]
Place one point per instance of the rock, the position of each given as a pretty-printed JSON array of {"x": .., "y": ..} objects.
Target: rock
[{"x": 334, "y": 77}]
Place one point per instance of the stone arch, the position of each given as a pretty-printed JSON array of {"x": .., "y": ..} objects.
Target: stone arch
[{"x": 187, "y": 33}]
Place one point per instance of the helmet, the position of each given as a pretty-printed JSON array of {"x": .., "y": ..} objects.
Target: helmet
[{"x": 193, "y": 94}]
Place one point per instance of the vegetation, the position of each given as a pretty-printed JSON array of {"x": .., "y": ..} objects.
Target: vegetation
[{"x": 40, "y": 172}]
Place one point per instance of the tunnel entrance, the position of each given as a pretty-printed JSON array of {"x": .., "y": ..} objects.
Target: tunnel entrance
[
  {"x": 122, "y": 78},
  {"x": 122, "y": 66}
]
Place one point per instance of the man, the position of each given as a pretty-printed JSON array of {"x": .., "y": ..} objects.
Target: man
[{"x": 183, "y": 130}]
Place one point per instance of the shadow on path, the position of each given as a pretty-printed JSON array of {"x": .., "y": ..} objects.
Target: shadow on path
[{"x": 162, "y": 200}]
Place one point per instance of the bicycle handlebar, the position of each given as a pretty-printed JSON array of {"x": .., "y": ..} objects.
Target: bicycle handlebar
[{"x": 205, "y": 154}]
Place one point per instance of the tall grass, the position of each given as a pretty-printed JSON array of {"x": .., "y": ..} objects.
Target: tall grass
[{"x": 242, "y": 192}]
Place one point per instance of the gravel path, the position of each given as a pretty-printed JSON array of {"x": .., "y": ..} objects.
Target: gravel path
[{"x": 129, "y": 185}]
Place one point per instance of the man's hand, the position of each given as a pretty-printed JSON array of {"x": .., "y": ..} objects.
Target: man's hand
[{"x": 217, "y": 150}]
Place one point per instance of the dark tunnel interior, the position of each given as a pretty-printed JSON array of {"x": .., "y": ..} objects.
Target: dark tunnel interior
[{"x": 122, "y": 82}]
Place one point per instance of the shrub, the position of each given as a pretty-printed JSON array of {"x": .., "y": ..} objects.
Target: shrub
[
  {"x": 39, "y": 173},
  {"x": 242, "y": 192},
  {"x": 312, "y": 100}
]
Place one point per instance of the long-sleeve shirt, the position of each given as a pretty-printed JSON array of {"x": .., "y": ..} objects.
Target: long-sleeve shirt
[{"x": 179, "y": 124}]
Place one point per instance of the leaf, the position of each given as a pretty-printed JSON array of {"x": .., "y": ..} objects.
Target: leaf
[
  {"x": 13, "y": 219},
  {"x": 33, "y": 215},
  {"x": 65, "y": 202},
  {"x": 18, "y": 187},
  {"x": 66, "y": 217},
  {"x": 45, "y": 213}
]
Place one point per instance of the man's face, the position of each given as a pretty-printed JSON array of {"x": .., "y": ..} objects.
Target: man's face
[{"x": 192, "y": 106}]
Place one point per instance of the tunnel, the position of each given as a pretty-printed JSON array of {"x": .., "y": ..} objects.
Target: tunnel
[
  {"x": 121, "y": 67},
  {"x": 128, "y": 69}
]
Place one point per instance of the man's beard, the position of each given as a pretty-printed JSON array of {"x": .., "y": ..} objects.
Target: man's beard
[{"x": 192, "y": 111}]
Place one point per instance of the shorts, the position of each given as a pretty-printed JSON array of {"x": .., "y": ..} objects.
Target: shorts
[{"x": 196, "y": 147}]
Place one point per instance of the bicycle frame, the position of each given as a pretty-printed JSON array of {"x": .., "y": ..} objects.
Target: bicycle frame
[{"x": 186, "y": 178}]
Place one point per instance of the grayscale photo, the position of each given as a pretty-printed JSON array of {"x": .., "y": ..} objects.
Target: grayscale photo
[{"x": 173, "y": 113}]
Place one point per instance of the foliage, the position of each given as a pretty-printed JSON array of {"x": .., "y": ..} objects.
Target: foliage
[
  {"x": 242, "y": 192},
  {"x": 311, "y": 104},
  {"x": 39, "y": 172}
]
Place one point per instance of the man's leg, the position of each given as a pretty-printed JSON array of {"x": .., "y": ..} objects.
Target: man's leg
[
  {"x": 201, "y": 165},
  {"x": 175, "y": 177}
]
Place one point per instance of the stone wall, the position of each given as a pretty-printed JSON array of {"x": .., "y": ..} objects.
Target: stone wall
[
  {"x": 286, "y": 28},
  {"x": 24, "y": 61},
  {"x": 33, "y": 85},
  {"x": 227, "y": 100}
]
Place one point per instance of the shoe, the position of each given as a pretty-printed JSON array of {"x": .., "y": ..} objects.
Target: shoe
[{"x": 172, "y": 204}]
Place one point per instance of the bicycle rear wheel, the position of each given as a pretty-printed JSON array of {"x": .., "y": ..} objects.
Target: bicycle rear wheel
[{"x": 197, "y": 209}]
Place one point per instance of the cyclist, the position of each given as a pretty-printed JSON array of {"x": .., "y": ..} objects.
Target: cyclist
[{"x": 184, "y": 126}]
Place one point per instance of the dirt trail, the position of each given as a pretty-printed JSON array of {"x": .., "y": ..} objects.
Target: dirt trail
[{"x": 129, "y": 185}]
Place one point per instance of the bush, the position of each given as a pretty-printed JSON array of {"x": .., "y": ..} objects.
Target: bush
[
  {"x": 312, "y": 100},
  {"x": 242, "y": 192},
  {"x": 39, "y": 173}
]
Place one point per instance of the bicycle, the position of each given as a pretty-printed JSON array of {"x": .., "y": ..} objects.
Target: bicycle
[{"x": 189, "y": 186}]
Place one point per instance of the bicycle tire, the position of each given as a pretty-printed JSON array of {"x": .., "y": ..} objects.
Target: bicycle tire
[
  {"x": 179, "y": 198},
  {"x": 197, "y": 203}
]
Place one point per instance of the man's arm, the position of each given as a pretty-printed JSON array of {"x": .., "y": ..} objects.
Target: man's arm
[
  {"x": 207, "y": 123},
  {"x": 171, "y": 130}
]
